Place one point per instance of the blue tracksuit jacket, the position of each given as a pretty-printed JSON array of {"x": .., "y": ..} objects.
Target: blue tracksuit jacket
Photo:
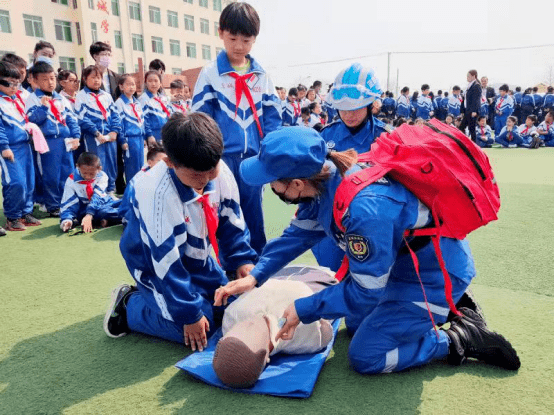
[
  {"x": 381, "y": 296},
  {"x": 404, "y": 107},
  {"x": 454, "y": 104},
  {"x": 424, "y": 107},
  {"x": 483, "y": 136},
  {"x": 57, "y": 164},
  {"x": 153, "y": 112},
  {"x": 389, "y": 107},
  {"x": 503, "y": 108},
  {"x": 548, "y": 138},
  {"x": 132, "y": 132},
  {"x": 167, "y": 250},
  {"x": 291, "y": 113},
  {"x": 526, "y": 134},
  {"x": 509, "y": 138},
  {"x": 91, "y": 120}
]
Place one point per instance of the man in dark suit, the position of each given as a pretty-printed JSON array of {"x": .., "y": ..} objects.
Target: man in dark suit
[
  {"x": 102, "y": 54},
  {"x": 490, "y": 96},
  {"x": 471, "y": 104}
]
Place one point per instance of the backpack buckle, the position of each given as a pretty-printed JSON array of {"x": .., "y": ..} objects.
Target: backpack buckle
[{"x": 427, "y": 168}]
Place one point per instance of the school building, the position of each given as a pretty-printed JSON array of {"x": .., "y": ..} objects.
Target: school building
[{"x": 182, "y": 33}]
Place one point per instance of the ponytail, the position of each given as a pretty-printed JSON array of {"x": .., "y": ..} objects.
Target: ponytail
[{"x": 343, "y": 160}]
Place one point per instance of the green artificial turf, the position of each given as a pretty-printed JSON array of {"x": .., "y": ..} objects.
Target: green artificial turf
[{"x": 55, "y": 357}]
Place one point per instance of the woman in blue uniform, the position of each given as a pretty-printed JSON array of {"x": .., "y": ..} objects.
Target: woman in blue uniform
[{"x": 380, "y": 296}]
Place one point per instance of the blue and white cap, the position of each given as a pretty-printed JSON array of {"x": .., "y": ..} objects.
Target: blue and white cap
[{"x": 354, "y": 87}]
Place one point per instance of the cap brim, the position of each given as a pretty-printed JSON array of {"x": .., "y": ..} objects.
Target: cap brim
[{"x": 255, "y": 173}]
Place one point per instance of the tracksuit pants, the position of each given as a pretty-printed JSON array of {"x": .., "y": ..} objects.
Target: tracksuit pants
[{"x": 18, "y": 182}]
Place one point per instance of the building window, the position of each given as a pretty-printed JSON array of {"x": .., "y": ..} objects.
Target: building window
[
  {"x": 74, "y": 4},
  {"x": 118, "y": 39},
  {"x": 218, "y": 50},
  {"x": 174, "y": 47},
  {"x": 176, "y": 71},
  {"x": 205, "y": 26},
  {"x": 63, "y": 30},
  {"x": 91, "y": 4},
  {"x": 155, "y": 15},
  {"x": 78, "y": 31},
  {"x": 172, "y": 19},
  {"x": 134, "y": 10},
  {"x": 191, "y": 50},
  {"x": 189, "y": 22},
  {"x": 5, "y": 26},
  {"x": 120, "y": 68},
  {"x": 217, "y": 5},
  {"x": 188, "y": 1},
  {"x": 157, "y": 45},
  {"x": 33, "y": 26},
  {"x": 115, "y": 7},
  {"x": 138, "y": 42},
  {"x": 203, "y": 3},
  {"x": 82, "y": 63},
  {"x": 64, "y": 2},
  {"x": 68, "y": 63},
  {"x": 206, "y": 52},
  {"x": 94, "y": 31},
  {"x": 216, "y": 28}
]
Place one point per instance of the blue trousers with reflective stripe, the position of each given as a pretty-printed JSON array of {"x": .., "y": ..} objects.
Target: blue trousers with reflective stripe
[
  {"x": 56, "y": 165},
  {"x": 107, "y": 152},
  {"x": 18, "y": 182},
  {"x": 398, "y": 334},
  {"x": 134, "y": 156},
  {"x": 250, "y": 203},
  {"x": 143, "y": 318}
]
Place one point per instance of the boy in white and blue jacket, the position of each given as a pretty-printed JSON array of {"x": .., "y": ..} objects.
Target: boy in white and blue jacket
[
  {"x": 483, "y": 132},
  {"x": 291, "y": 110},
  {"x": 404, "y": 106},
  {"x": 455, "y": 102},
  {"x": 546, "y": 130},
  {"x": 52, "y": 113},
  {"x": 16, "y": 161},
  {"x": 503, "y": 108},
  {"x": 182, "y": 208},
  {"x": 424, "y": 104},
  {"x": 528, "y": 132},
  {"x": 85, "y": 199},
  {"x": 99, "y": 122},
  {"x": 237, "y": 92}
]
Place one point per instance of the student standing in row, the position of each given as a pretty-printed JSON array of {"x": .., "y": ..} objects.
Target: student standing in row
[
  {"x": 404, "y": 106},
  {"x": 503, "y": 109},
  {"x": 424, "y": 104},
  {"x": 155, "y": 107}
]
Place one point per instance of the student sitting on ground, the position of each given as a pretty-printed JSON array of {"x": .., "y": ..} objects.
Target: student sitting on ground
[
  {"x": 85, "y": 200},
  {"x": 509, "y": 135},
  {"x": 449, "y": 120},
  {"x": 529, "y": 134},
  {"x": 546, "y": 130},
  {"x": 483, "y": 133}
]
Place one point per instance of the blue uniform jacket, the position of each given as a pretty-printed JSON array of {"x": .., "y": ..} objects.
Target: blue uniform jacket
[
  {"x": 548, "y": 102},
  {"x": 375, "y": 225},
  {"x": 43, "y": 117},
  {"x": 527, "y": 100},
  {"x": 288, "y": 114},
  {"x": 338, "y": 137},
  {"x": 504, "y": 135},
  {"x": 166, "y": 247},
  {"x": 454, "y": 104},
  {"x": 404, "y": 107},
  {"x": 12, "y": 124},
  {"x": 389, "y": 107},
  {"x": 90, "y": 116},
  {"x": 154, "y": 115},
  {"x": 424, "y": 107},
  {"x": 130, "y": 125},
  {"x": 504, "y": 106},
  {"x": 214, "y": 94}
]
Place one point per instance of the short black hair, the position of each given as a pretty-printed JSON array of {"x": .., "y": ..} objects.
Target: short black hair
[
  {"x": 445, "y": 94},
  {"x": 41, "y": 68},
  {"x": 88, "y": 71},
  {"x": 518, "y": 89},
  {"x": 98, "y": 47},
  {"x": 15, "y": 60},
  {"x": 178, "y": 83},
  {"x": 89, "y": 159},
  {"x": 156, "y": 65},
  {"x": 404, "y": 90},
  {"x": 513, "y": 118},
  {"x": 293, "y": 91},
  {"x": 43, "y": 45},
  {"x": 316, "y": 84},
  {"x": 535, "y": 89},
  {"x": 550, "y": 89},
  {"x": 456, "y": 88},
  {"x": 301, "y": 87},
  {"x": 533, "y": 118},
  {"x": 313, "y": 105},
  {"x": 439, "y": 92},
  {"x": 192, "y": 141},
  {"x": 424, "y": 87},
  {"x": 305, "y": 111},
  {"x": 318, "y": 127},
  {"x": 239, "y": 18},
  {"x": 481, "y": 118},
  {"x": 64, "y": 74},
  {"x": 154, "y": 150},
  {"x": 8, "y": 70},
  {"x": 504, "y": 87}
]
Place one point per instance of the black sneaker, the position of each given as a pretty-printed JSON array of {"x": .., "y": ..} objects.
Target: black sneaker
[
  {"x": 30, "y": 221},
  {"x": 14, "y": 225},
  {"x": 2, "y": 232},
  {"x": 468, "y": 301},
  {"x": 470, "y": 338},
  {"x": 115, "y": 321},
  {"x": 55, "y": 213}
]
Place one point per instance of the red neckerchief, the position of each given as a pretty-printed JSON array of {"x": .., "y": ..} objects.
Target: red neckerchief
[
  {"x": 89, "y": 188},
  {"x": 482, "y": 131},
  {"x": 296, "y": 108},
  {"x": 240, "y": 87},
  {"x": 56, "y": 112},
  {"x": 180, "y": 107},
  {"x": 166, "y": 111},
  {"x": 525, "y": 131},
  {"x": 17, "y": 106},
  {"x": 212, "y": 221},
  {"x": 134, "y": 107},
  {"x": 100, "y": 106},
  {"x": 18, "y": 95},
  {"x": 500, "y": 103}
]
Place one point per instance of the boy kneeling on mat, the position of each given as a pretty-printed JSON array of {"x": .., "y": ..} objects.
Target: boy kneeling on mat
[{"x": 181, "y": 208}]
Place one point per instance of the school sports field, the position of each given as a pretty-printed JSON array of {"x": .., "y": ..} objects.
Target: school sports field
[{"x": 55, "y": 357}]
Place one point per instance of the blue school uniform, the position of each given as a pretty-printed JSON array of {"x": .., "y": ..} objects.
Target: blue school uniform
[
  {"x": 527, "y": 107},
  {"x": 167, "y": 251},
  {"x": 503, "y": 108},
  {"x": 56, "y": 164},
  {"x": 92, "y": 120},
  {"x": 424, "y": 107},
  {"x": 483, "y": 136},
  {"x": 132, "y": 130},
  {"x": 76, "y": 202},
  {"x": 484, "y": 109},
  {"x": 380, "y": 297},
  {"x": 18, "y": 177},
  {"x": 547, "y": 138},
  {"x": 526, "y": 134},
  {"x": 155, "y": 110},
  {"x": 509, "y": 138},
  {"x": 548, "y": 103},
  {"x": 215, "y": 95},
  {"x": 404, "y": 107},
  {"x": 389, "y": 107},
  {"x": 454, "y": 104},
  {"x": 291, "y": 113},
  {"x": 179, "y": 106}
]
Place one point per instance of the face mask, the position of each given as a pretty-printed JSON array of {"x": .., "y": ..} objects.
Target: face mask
[
  {"x": 105, "y": 61},
  {"x": 42, "y": 58},
  {"x": 294, "y": 201}
]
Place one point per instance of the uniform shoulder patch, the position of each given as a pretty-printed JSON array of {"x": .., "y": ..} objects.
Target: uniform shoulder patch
[{"x": 358, "y": 246}]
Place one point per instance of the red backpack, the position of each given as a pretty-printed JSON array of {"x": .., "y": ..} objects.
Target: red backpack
[{"x": 444, "y": 169}]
